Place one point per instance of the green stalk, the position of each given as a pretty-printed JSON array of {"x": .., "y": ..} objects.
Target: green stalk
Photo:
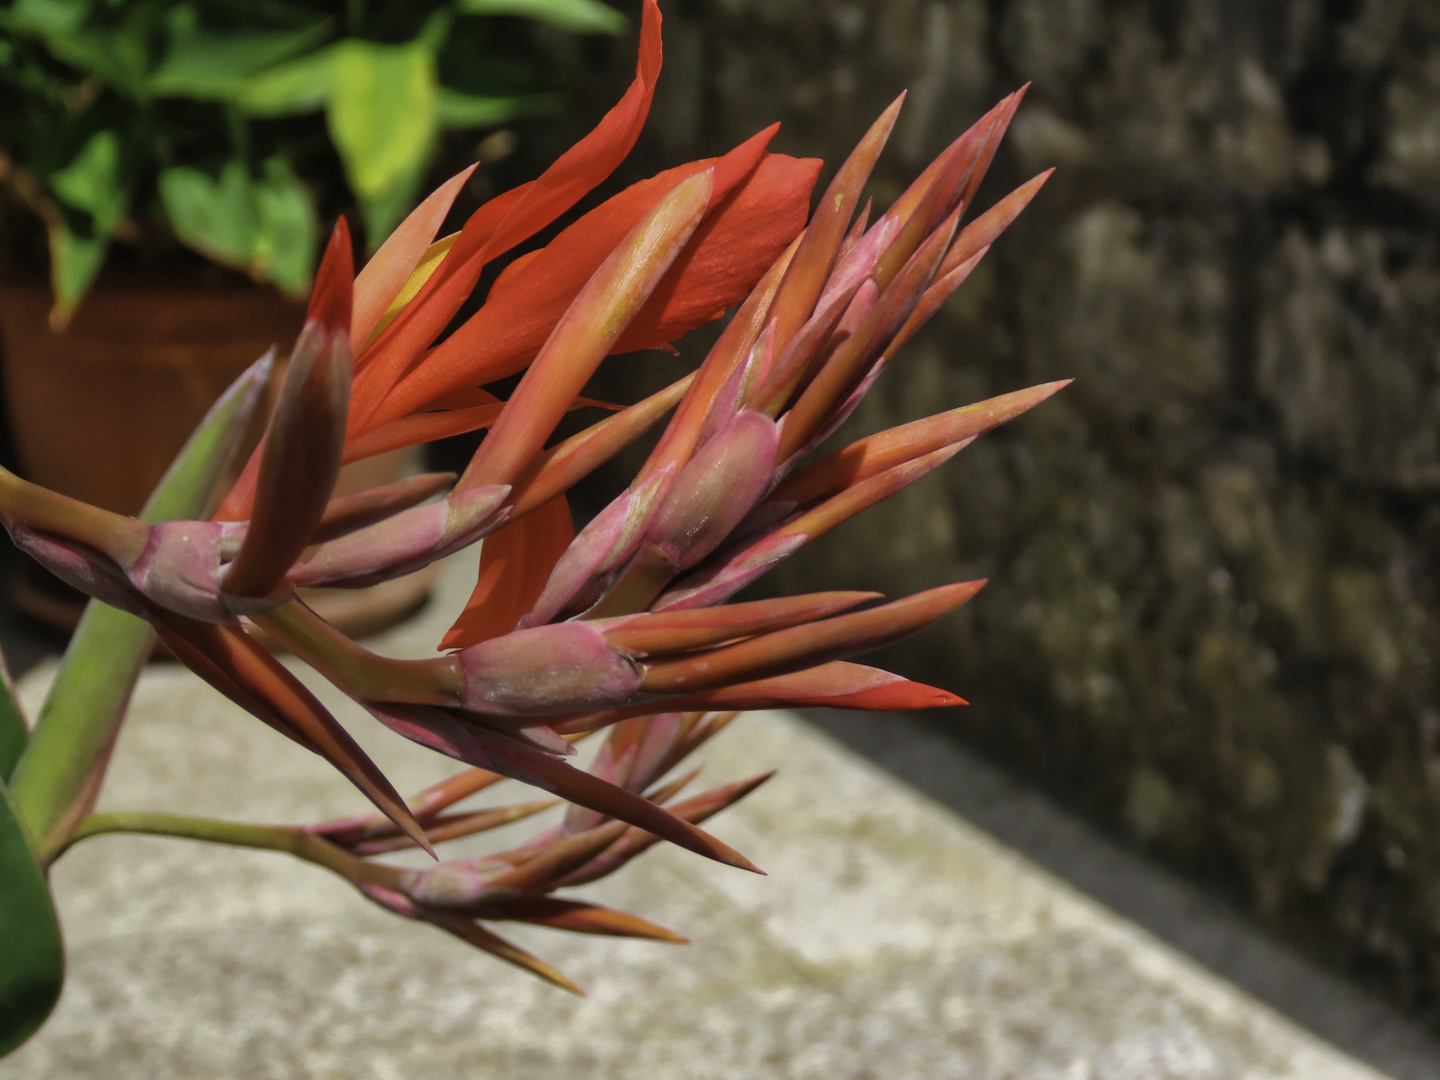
[
  {"x": 59, "y": 775},
  {"x": 356, "y": 670},
  {"x": 288, "y": 839}
]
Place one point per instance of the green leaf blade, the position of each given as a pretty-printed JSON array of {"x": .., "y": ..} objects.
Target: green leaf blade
[
  {"x": 454, "y": 109},
  {"x": 381, "y": 116},
  {"x": 289, "y": 89},
  {"x": 215, "y": 66},
  {"x": 34, "y": 965}
]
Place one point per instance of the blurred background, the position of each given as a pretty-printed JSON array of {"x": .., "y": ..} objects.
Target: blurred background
[{"x": 1214, "y": 602}]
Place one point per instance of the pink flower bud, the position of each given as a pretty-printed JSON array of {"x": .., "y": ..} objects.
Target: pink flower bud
[{"x": 549, "y": 669}]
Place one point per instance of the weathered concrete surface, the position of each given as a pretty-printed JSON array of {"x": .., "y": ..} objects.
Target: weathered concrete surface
[
  {"x": 1214, "y": 607},
  {"x": 890, "y": 940}
]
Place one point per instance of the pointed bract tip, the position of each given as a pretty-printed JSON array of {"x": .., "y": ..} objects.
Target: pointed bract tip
[{"x": 331, "y": 298}]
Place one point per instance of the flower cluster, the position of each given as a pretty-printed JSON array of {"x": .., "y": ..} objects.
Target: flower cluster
[{"x": 627, "y": 625}]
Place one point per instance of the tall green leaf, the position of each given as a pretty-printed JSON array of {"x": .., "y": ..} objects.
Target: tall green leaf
[
  {"x": 289, "y": 89},
  {"x": 214, "y": 66},
  {"x": 289, "y": 229},
  {"x": 95, "y": 193},
  {"x": 32, "y": 963},
  {"x": 454, "y": 109},
  {"x": 381, "y": 116},
  {"x": 14, "y": 732},
  {"x": 267, "y": 227}
]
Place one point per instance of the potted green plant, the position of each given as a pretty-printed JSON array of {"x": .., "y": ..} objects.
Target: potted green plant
[{"x": 206, "y": 140}]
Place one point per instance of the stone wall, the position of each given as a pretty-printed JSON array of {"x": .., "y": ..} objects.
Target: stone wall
[{"x": 1214, "y": 606}]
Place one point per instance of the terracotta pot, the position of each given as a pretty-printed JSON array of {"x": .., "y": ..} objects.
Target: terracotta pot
[{"x": 99, "y": 411}]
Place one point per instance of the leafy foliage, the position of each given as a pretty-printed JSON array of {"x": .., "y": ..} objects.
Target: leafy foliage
[{"x": 237, "y": 124}]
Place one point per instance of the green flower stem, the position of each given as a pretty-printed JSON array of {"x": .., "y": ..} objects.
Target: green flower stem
[
  {"x": 23, "y": 503},
  {"x": 58, "y": 777},
  {"x": 284, "y": 838},
  {"x": 360, "y": 673}
]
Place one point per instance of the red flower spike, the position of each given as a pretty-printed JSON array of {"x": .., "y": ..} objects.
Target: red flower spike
[
  {"x": 425, "y": 806},
  {"x": 857, "y": 230},
  {"x": 515, "y": 563},
  {"x": 730, "y": 571},
  {"x": 940, "y": 290},
  {"x": 403, "y": 542},
  {"x": 871, "y": 456},
  {"x": 586, "y": 334},
  {"x": 420, "y": 428},
  {"x": 939, "y": 203},
  {"x": 455, "y": 827},
  {"x": 665, "y": 792},
  {"x": 577, "y": 917},
  {"x": 1003, "y": 113},
  {"x": 590, "y": 563},
  {"x": 391, "y": 266},
  {"x": 749, "y": 230},
  {"x": 849, "y": 305},
  {"x": 716, "y": 489},
  {"x": 843, "y": 370},
  {"x": 668, "y": 633},
  {"x": 784, "y": 651}
]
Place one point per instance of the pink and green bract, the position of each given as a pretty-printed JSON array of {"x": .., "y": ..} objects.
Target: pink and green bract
[{"x": 627, "y": 626}]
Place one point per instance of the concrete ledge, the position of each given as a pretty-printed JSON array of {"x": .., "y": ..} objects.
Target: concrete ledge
[{"x": 891, "y": 940}]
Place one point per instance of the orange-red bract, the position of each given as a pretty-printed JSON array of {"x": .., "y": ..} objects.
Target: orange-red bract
[{"x": 515, "y": 563}]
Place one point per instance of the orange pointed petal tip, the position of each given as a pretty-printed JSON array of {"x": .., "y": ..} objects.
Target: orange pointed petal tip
[
  {"x": 985, "y": 229},
  {"x": 805, "y": 279},
  {"x": 836, "y": 685},
  {"x": 802, "y": 646},
  {"x": 389, "y": 269},
  {"x": 667, "y": 633},
  {"x": 839, "y": 685},
  {"x": 636, "y": 842},
  {"x": 871, "y": 456},
  {"x": 577, "y": 917},
  {"x": 331, "y": 298},
  {"x": 474, "y": 934}
]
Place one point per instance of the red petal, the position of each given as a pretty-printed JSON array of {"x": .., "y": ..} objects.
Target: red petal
[
  {"x": 515, "y": 563},
  {"x": 390, "y": 267},
  {"x": 421, "y": 428},
  {"x": 765, "y": 200},
  {"x": 505, "y": 221}
]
